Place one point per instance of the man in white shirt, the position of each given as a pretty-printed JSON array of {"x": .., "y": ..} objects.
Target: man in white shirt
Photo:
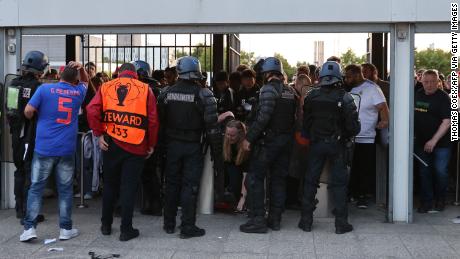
[{"x": 373, "y": 104}]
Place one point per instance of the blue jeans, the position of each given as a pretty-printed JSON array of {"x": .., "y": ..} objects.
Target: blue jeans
[
  {"x": 42, "y": 167},
  {"x": 434, "y": 177}
]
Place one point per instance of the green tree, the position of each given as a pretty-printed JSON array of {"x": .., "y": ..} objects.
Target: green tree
[
  {"x": 350, "y": 57},
  {"x": 247, "y": 58},
  {"x": 288, "y": 69},
  {"x": 202, "y": 53},
  {"x": 433, "y": 59},
  {"x": 301, "y": 63}
]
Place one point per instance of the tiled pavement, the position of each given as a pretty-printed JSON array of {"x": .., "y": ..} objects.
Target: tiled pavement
[{"x": 431, "y": 236}]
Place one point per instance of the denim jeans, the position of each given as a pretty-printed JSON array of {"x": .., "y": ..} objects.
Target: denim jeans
[
  {"x": 434, "y": 175},
  {"x": 42, "y": 167}
]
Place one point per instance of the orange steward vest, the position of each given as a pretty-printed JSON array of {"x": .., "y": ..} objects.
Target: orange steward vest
[{"x": 124, "y": 106}]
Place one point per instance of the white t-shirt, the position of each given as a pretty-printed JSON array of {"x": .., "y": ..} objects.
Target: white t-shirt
[{"x": 371, "y": 96}]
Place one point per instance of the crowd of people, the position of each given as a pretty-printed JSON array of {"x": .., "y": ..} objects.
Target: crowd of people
[{"x": 269, "y": 139}]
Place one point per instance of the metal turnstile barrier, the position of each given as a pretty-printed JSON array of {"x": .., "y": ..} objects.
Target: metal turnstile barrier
[
  {"x": 83, "y": 135},
  {"x": 206, "y": 195}
]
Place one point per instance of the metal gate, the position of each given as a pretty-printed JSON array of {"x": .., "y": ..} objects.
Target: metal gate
[{"x": 108, "y": 51}]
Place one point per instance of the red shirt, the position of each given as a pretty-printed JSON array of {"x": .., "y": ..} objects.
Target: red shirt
[{"x": 94, "y": 114}]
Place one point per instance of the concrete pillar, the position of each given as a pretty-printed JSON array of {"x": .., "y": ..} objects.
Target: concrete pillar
[
  {"x": 2, "y": 129},
  {"x": 2, "y": 54},
  {"x": 401, "y": 123},
  {"x": 10, "y": 56}
]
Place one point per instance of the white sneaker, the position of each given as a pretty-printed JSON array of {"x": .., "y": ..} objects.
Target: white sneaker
[
  {"x": 28, "y": 235},
  {"x": 65, "y": 234}
]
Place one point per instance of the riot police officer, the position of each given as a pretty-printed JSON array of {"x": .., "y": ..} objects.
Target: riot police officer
[
  {"x": 269, "y": 138},
  {"x": 151, "y": 178},
  {"x": 144, "y": 74},
  {"x": 186, "y": 111},
  {"x": 23, "y": 130},
  {"x": 330, "y": 121}
]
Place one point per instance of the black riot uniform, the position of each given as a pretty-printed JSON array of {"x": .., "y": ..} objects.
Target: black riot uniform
[
  {"x": 22, "y": 135},
  {"x": 23, "y": 130},
  {"x": 225, "y": 100},
  {"x": 270, "y": 136},
  {"x": 186, "y": 111},
  {"x": 245, "y": 100},
  {"x": 153, "y": 84},
  {"x": 330, "y": 121}
]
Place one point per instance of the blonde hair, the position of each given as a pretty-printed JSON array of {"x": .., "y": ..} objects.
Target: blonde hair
[
  {"x": 302, "y": 80},
  {"x": 242, "y": 155},
  {"x": 302, "y": 85}
]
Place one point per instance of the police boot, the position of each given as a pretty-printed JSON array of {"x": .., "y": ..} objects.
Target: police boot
[
  {"x": 274, "y": 219},
  {"x": 342, "y": 226},
  {"x": 169, "y": 222},
  {"x": 255, "y": 225},
  {"x": 128, "y": 234},
  {"x": 191, "y": 231},
  {"x": 306, "y": 221}
]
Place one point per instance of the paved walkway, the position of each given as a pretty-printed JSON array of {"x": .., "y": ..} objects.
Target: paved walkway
[{"x": 431, "y": 236}]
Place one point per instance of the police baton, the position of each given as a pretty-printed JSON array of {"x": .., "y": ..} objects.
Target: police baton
[{"x": 420, "y": 160}]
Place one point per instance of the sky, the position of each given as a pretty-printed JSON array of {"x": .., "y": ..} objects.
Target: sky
[{"x": 299, "y": 46}]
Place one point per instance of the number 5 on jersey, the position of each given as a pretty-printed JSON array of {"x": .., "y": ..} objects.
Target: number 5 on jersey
[{"x": 62, "y": 108}]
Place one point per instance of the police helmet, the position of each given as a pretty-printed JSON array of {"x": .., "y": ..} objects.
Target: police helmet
[
  {"x": 142, "y": 68},
  {"x": 272, "y": 64},
  {"x": 330, "y": 73},
  {"x": 189, "y": 67},
  {"x": 35, "y": 62},
  {"x": 258, "y": 66}
]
